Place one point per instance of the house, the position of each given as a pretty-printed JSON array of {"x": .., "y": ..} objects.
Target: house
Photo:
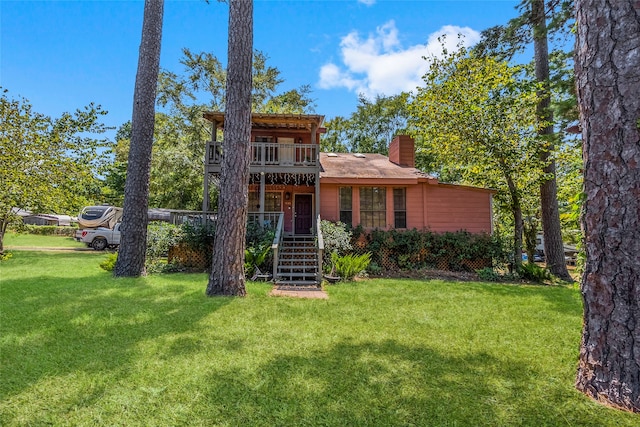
[{"x": 294, "y": 185}]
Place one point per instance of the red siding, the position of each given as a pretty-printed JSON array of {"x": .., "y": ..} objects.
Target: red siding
[
  {"x": 452, "y": 208},
  {"x": 437, "y": 207}
]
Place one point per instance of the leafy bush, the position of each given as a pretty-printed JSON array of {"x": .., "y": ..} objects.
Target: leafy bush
[
  {"x": 198, "y": 237},
  {"x": 535, "y": 273},
  {"x": 336, "y": 238},
  {"x": 110, "y": 262},
  {"x": 45, "y": 230},
  {"x": 488, "y": 274},
  {"x": 349, "y": 266},
  {"x": 256, "y": 256},
  {"x": 258, "y": 235},
  {"x": 160, "y": 266},
  {"x": 160, "y": 237},
  {"x": 374, "y": 268},
  {"x": 413, "y": 249},
  {"x": 5, "y": 256}
]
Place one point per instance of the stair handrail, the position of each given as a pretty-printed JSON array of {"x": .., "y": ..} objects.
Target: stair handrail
[
  {"x": 277, "y": 241},
  {"x": 320, "y": 248}
]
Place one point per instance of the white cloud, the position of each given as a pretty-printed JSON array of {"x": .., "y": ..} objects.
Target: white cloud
[
  {"x": 367, "y": 2},
  {"x": 379, "y": 65}
]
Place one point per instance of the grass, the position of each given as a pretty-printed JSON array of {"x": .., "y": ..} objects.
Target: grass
[
  {"x": 16, "y": 240},
  {"x": 78, "y": 347}
]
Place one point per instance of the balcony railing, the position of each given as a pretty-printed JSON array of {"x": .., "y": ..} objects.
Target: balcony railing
[{"x": 272, "y": 154}]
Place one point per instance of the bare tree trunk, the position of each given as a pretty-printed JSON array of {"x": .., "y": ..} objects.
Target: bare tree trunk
[
  {"x": 227, "y": 264},
  {"x": 553, "y": 246},
  {"x": 516, "y": 210},
  {"x": 607, "y": 69},
  {"x": 133, "y": 243}
]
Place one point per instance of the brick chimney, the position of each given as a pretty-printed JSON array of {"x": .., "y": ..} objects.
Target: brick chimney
[{"x": 402, "y": 151}]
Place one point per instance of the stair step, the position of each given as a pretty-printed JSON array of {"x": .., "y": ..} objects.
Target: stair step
[
  {"x": 297, "y": 273},
  {"x": 298, "y": 283}
]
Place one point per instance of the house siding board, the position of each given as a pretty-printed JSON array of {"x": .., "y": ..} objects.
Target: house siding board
[
  {"x": 329, "y": 200},
  {"x": 439, "y": 208},
  {"x": 453, "y": 208}
]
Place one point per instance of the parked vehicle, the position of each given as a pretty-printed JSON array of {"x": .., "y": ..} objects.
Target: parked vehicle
[
  {"x": 99, "y": 216},
  {"x": 100, "y": 238}
]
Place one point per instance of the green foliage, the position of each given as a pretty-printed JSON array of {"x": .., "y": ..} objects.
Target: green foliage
[
  {"x": 160, "y": 237},
  {"x": 349, "y": 266},
  {"x": 47, "y": 165},
  {"x": 535, "y": 273},
  {"x": 413, "y": 249},
  {"x": 256, "y": 256},
  {"x": 488, "y": 274},
  {"x": 5, "y": 256},
  {"x": 336, "y": 237},
  {"x": 109, "y": 262},
  {"x": 45, "y": 230},
  {"x": 374, "y": 268},
  {"x": 198, "y": 237},
  {"x": 477, "y": 117},
  {"x": 370, "y": 128},
  {"x": 160, "y": 266}
]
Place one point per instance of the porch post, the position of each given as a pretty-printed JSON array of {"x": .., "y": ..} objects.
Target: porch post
[
  {"x": 261, "y": 208},
  {"x": 317, "y": 212},
  {"x": 207, "y": 156}
]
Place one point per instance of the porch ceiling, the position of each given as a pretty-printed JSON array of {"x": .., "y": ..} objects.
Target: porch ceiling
[{"x": 273, "y": 121}]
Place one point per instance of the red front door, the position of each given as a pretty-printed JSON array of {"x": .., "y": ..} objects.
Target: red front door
[{"x": 303, "y": 213}]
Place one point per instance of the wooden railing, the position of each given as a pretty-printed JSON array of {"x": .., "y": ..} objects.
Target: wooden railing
[
  {"x": 319, "y": 248},
  {"x": 277, "y": 242},
  {"x": 272, "y": 154}
]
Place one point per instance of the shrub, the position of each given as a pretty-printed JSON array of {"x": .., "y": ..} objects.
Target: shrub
[
  {"x": 198, "y": 237},
  {"x": 413, "y": 249},
  {"x": 256, "y": 256},
  {"x": 160, "y": 237},
  {"x": 160, "y": 266},
  {"x": 349, "y": 266},
  {"x": 374, "y": 268},
  {"x": 110, "y": 262},
  {"x": 5, "y": 256},
  {"x": 45, "y": 230},
  {"x": 336, "y": 239},
  {"x": 488, "y": 274},
  {"x": 535, "y": 273}
]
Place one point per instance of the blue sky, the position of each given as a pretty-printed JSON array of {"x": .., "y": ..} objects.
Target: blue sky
[{"x": 62, "y": 55}]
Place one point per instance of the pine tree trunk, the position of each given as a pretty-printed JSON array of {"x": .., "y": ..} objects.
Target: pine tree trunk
[
  {"x": 607, "y": 69},
  {"x": 133, "y": 242},
  {"x": 516, "y": 210},
  {"x": 227, "y": 264},
  {"x": 553, "y": 246}
]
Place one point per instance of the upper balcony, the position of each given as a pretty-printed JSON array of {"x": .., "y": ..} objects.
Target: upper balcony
[{"x": 271, "y": 157}]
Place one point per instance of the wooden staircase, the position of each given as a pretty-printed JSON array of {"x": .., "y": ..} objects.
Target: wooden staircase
[{"x": 298, "y": 262}]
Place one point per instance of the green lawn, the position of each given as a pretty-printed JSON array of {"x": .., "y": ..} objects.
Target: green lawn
[
  {"x": 33, "y": 240},
  {"x": 78, "y": 347}
]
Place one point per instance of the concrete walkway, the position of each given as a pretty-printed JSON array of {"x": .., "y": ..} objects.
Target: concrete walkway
[{"x": 298, "y": 292}]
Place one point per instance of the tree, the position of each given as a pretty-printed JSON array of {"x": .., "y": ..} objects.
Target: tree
[
  {"x": 133, "y": 242},
  {"x": 608, "y": 84},
  {"x": 553, "y": 246},
  {"x": 46, "y": 165},
  {"x": 371, "y": 127},
  {"x": 227, "y": 265},
  {"x": 478, "y": 118},
  {"x": 504, "y": 42}
]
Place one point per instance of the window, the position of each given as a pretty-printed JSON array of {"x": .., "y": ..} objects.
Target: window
[
  {"x": 272, "y": 201},
  {"x": 373, "y": 207},
  {"x": 345, "y": 205},
  {"x": 400, "y": 207}
]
